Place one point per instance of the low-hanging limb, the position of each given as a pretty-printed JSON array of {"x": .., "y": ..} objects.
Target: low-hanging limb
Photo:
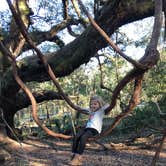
[
  {"x": 135, "y": 99},
  {"x": 134, "y": 74},
  {"x": 30, "y": 95}
]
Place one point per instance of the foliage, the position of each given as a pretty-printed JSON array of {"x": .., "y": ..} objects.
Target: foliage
[
  {"x": 144, "y": 116},
  {"x": 155, "y": 85}
]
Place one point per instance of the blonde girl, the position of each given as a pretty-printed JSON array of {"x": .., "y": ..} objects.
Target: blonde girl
[{"x": 92, "y": 128}]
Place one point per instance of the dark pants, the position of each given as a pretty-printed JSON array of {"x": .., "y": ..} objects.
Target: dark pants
[{"x": 81, "y": 138}]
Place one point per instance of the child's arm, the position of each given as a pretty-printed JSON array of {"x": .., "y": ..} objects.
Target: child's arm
[
  {"x": 105, "y": 108},
  {"x": 85, "y": 111}
]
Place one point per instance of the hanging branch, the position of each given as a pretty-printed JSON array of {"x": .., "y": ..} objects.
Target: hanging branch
[
  {"x": 135, "y": 99},
  {"x": 102, "y": 83},
  {"x": 111, "y": 43},
  {"x": 101, "y": 76},
  {"x": 30, "y": 95},
  {"x": 159, "y": 110},
  {"x": 122, "y": 105},
  {"x": 116, "y": 59}
]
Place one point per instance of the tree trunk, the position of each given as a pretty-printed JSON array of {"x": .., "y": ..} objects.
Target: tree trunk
[{"x": 3, "y": 133}]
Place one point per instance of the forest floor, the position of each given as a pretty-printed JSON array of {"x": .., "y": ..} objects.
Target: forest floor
[{"x": 50, "y": 152}]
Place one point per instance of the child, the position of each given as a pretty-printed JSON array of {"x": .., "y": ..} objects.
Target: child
[{"x": 93, "y": 127}]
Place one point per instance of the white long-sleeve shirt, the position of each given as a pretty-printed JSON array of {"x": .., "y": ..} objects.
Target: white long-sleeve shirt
[{"x": 96, "y": 119}]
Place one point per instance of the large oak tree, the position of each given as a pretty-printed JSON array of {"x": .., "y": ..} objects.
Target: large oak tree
[{"x": 109, "y": 15}]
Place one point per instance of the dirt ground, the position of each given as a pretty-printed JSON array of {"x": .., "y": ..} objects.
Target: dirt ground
[{"x": 49, "y": 152}]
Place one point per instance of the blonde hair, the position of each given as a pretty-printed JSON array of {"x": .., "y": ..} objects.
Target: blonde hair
[{"x": 98, "y": 99}]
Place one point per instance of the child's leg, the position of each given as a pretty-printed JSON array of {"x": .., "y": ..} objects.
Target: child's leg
[
  {"x": 76, "y": 140},
  {"x": 83, "y": 140}
]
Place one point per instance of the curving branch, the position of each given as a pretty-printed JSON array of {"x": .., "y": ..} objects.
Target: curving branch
[
  {"x": 101, "y": 76},
  {"x": 30, "y": 95},
  {"x": 110, "y": 42},
  {"x": 25, "y": 12},
  {"x": 135, "y": 99}
]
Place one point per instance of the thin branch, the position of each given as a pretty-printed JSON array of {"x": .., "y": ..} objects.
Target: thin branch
[
  {"x": 65, "y": 9},
  {"x": 66, "y": 16},
  {"x": 158, "y": 150},
  {"x": 78, "y": 11},
  {"x": 133, "y": 102},
  {"x": 76, "y": 7},
  {"x": 106, "y": 37},
  {"x": 101, "y": 76},
  {"x": 159, "y": 110}
]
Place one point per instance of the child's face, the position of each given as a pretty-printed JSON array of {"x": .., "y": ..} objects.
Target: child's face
[{"x": 94, "y": 105}]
